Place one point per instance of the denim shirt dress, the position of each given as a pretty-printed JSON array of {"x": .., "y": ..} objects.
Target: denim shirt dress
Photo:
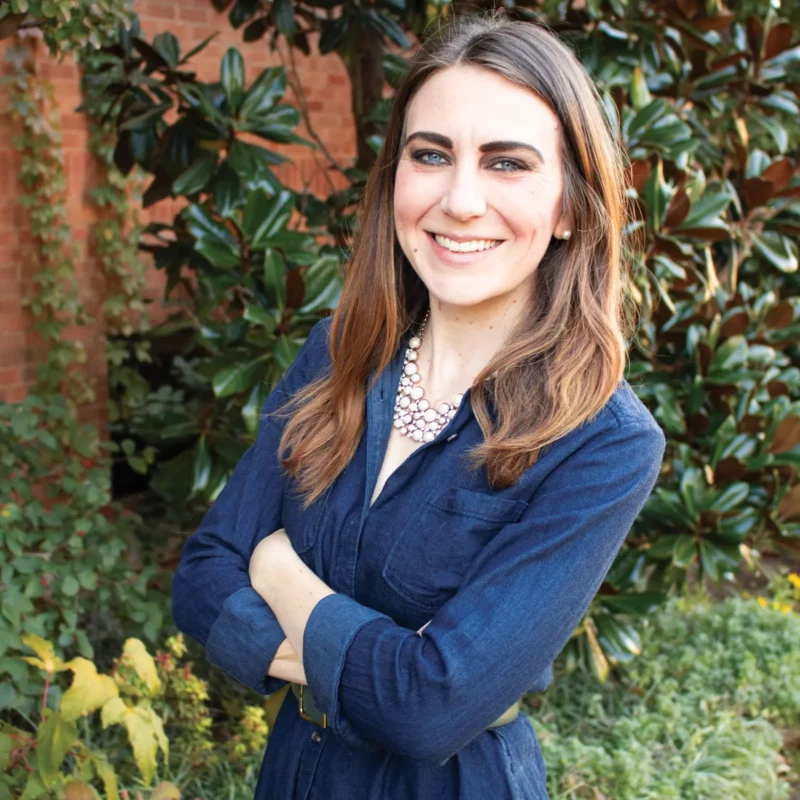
[{"x": 503, "y": 576}]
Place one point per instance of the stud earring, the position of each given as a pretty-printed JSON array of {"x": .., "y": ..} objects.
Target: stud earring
[{"x": 566, "y": 234}]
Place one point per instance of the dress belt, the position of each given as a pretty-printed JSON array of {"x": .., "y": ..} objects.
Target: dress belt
[{"x": 308, "y": 710}]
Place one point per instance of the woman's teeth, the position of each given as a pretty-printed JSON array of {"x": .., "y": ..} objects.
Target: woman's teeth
[{"x": 466, "y": 247}]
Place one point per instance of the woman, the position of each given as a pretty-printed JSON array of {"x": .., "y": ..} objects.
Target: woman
[{"x": 457, "y": 458}]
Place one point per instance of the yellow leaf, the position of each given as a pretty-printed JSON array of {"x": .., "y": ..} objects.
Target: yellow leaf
[
  {"x": 143, "y": 741},
  {"x": 106, "y": 773},
  {"x": 78, "y": 790},
  {"x": 113, "y": 712},
  {"x": 89, "y": 690},
  {"x": 599, "y": 660},
  {"x": 166, "y": 791},
  {"x": 48, "y": 660},
  {"x": 55, "y": 739},
  {"x": 158, "y": 729},
  {"x": 135, "y": 653}
]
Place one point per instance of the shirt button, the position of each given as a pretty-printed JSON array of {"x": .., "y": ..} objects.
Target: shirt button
[{"x": 316, "y": 737}]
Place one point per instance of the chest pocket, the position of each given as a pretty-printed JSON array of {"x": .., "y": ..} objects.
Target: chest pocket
[{"x": 432, "y": 553}]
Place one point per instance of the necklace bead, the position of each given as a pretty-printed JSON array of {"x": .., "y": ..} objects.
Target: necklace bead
[{"x": 414, "y": 416}]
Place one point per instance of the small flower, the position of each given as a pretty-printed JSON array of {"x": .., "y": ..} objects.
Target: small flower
[
  {"x": 786, "y": 608},
  {"x": 762, "y": 601},
  {"x": 794, "y": 579}
]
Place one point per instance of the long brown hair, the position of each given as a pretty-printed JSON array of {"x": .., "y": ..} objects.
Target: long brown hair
[{"x": 566, "y": 356}]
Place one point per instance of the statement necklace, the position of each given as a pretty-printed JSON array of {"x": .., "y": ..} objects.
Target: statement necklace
[{"x": 413, "y": 414}]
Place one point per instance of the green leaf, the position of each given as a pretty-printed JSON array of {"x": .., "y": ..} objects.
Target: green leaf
[
  {"x": 232, "y": 78},
  {"x": 88, "y": 691},
  {"x": 237, "y": 378},
  {"x": 323, "y": 285},
  {"x": 275, "y": 279},
  {"x": 286, "y": 351},
  {"x": 261, "y": 316},
  {"x": 70, "y": 586},
  {"x": 55, "y": 739},
  {"x": 777, "y": 249},
  {"x": 266, "y": 217},
  {"x": 228, "y": 190},
  {"x": 716, "y": 562},
  {"x": 731, "y": 497},
  {"x": 195, "y": 178},
  {"x": 202, "y": 466},
  {"x": 34, "y": 789},
  {"x": 684, "y": 550},
  {"x": 214, "y": 240},
  {"x": 705, "y": 212},
  {"x": 264, "y": 93},
  {"x": 283, "y": 15},
  {"x": 166, "y": 791}
]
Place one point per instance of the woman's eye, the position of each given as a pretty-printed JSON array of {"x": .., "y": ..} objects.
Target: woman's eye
[
  {"x": 428, "y": 157},
  {"x": 508, "y": 165}
]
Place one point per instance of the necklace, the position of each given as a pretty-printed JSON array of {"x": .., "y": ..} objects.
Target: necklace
[{"x": 414, "y": 416}]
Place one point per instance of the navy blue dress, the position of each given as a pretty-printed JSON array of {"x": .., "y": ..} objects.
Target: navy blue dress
[{"x": 504, "y": 577}]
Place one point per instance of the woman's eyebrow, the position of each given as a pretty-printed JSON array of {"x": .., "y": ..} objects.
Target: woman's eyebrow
[{"x": 489, "y": 147}]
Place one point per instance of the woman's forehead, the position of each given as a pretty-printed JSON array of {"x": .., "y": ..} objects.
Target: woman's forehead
[{"x": 473, "y": 106}]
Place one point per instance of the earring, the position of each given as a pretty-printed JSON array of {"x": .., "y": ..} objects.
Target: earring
[{"x": 566, "y": 234}]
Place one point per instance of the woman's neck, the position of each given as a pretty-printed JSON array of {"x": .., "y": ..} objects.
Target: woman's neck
[{"x": 458, "y": 342}]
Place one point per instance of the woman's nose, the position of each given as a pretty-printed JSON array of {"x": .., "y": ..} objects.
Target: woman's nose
[{"x": 464, "y": 196}]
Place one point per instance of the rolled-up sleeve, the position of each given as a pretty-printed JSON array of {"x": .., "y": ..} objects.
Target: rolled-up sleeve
[
  {"x": 212, "y": 599},
  {"x": 426, "y": 696}
]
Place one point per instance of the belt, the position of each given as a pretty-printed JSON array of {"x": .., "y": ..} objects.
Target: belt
[{"x": 308, "y": 709}]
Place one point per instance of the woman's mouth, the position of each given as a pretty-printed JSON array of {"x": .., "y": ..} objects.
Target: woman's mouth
[{"x": 459, "y": 252}]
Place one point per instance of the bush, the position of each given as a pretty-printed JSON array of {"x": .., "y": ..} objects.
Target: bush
[{"x": 697, "y": 716}]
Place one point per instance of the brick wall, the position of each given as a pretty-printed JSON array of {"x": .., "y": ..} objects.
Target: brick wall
[{"x": 328, "y": 95}]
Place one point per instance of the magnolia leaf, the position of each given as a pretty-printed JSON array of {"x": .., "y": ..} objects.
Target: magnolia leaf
[
  {"x": 88, "y": 692},
  {"x": 135, "y": 653},
  {"x": 55, "y": 739}
]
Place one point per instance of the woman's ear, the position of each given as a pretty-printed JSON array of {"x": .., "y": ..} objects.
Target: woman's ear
[{"x": 563, "y": 229}]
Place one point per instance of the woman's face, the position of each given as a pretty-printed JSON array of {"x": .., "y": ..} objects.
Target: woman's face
[{"x": 478, "y": 186}]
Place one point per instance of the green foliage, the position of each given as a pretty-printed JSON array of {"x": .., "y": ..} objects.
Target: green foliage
[
  {"x": 252, "y": 282},
  {"x": 112, "y": 733},
  {"x": 66, "y": 25},
  {"x": 699, "y": 715},
  {"x": 65, "y": 549}
]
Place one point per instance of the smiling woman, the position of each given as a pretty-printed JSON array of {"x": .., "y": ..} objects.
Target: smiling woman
[{"x": 443, "y": 478}]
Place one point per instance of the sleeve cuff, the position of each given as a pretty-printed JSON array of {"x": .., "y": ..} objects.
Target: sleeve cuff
[
  {"x": 244, "y": 639},
  {"x": 333, "y": 624}
]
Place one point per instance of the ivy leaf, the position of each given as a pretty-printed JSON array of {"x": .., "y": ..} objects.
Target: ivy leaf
[
  {"x": 55, "y": 739},
  {"x": 88, "y": 691}
]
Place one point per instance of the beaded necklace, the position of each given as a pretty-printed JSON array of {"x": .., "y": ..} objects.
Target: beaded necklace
[{"x": 414, "y": 416}]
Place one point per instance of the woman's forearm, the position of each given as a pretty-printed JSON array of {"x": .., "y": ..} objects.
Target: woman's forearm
[{"x": 287, "y": 665}]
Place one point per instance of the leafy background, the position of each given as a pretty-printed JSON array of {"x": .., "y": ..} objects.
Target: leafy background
[{"x": 705, "y": 99}]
